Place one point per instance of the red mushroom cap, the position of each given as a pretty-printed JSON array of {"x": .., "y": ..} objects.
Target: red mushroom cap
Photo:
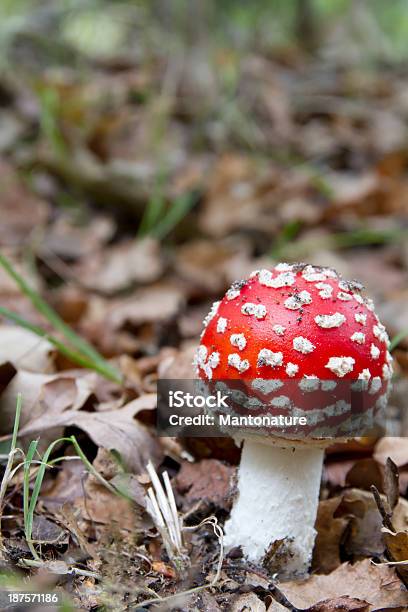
[{"x": 292, "y": 322}]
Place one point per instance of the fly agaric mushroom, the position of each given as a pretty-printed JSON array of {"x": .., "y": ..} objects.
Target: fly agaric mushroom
[{"x": 304, "y": 327}]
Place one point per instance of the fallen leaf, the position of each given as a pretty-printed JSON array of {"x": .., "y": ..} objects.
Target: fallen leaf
[
  {"x": 66, "y": 486},
  {"x": 26, "y": 350},
  {"x": 248, "y": 602},
  {"x": 364, "y": 473},
  {"x": 394, "y": 314},
  {"x": 378, "y": 585},
  {"x": 395, "y": 448},
  {"x": 66, "y": 391},
  {"x": 330, "y": 531},
  {"x": 102, "y": 506},
  {"x": 119, "y": 267},
  {"x": 29, "y": 384},
  {"x": 237, "y": 194},
  {"x": 44, "y": 396},
  {"x": 206, "y": 264},
  {"x": 179, "y": 365},
  {"x": 400, "y": 515},
  {"x": 335, "y": 471},
  {"x": 364, "y": 536},
  {"x": 21, "y": 210},
  {"x": 208, "y": 481},
  {"x": 397, "y": 546},
  {"x": 47, "y": 532},
  {"x": 73, "y": 241},
  {"x": 70, "y": 302},
  {"x": 70, "y": 520},
  {"x": 114, "y": 430},
  {"x": 340, "y": 604}
]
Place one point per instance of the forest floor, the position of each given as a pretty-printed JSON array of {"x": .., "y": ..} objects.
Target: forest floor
[{"x": 132, "y": 195}]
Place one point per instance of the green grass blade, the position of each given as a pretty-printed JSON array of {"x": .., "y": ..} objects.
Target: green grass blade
[
  {"x": 398, "y": 338},
  {"x": 30, "y": 502},
  {"x": 95, "y": 473},
  {"x": 288, "y": 233},
  {"x": 26, "y": 487},
  {"x": 74, "y": 356},
  {"x": 81, "y": 345},
  {"x": 16, "y": 422},
  {"x": 178, "y": 210},
  {"x": 153, "y": 211},
  {"x": 49, "y": 119},
  {"x": 38, "y": 483}
]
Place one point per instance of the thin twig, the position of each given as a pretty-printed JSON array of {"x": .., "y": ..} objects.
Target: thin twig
[{"x": 74, "y": 571}]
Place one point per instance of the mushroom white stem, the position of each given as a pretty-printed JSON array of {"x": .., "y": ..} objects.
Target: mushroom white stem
[{"x": 278, "y": 494}]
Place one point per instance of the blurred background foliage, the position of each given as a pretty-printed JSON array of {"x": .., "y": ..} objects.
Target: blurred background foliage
[
  {"x": 370, "y": 31},
  {"x": 130, "y": 106}
]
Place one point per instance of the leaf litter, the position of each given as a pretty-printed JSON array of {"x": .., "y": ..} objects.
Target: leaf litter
[{"x": 130, "y": 201}]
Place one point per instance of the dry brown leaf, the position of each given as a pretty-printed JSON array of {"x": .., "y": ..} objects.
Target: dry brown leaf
[
  {"x": 207, "y": 265},
  {"x": 335, "y": 472},
  {"x": 66, "y": 391},
  {"x": 248, "y": 602},
  {"x": 121, "y": 266},
  {"x": 70, "y": 241},
  {"x": 47, "y": 532},
  {"x": 44, "y": 397},
  {"x": 364, "y": 473},
  {"x": 113, "y": 430},
  {"x": 69, "y": 519},
  {"x": 364, "y": 537},
  {"x": 66, "y": 486},
  {"x": 21, "y": 210},
  {"x": 330, "y": 531},
  {"x": 340, "y": 604},
  {"x": 102, "y": 506},
  {"x": 179, "y": 365},
  {"x": 29, "y": 384},
  {"x": 236, "y": 196},
  {"x": 26, "y": 350},
  {"x": 208, "y": 481},
  {"x": 378, "y": 585},
  {"x": 154, "y": 305},
  {"x": 396, "y": 448},
  {"x": 394, "y": 313},
  {"x": 352, "y": 191},
  {"x": 400, "y": 515},
  {"x": 397, "y": 546},
  {"x": 70, "y": 302}
]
